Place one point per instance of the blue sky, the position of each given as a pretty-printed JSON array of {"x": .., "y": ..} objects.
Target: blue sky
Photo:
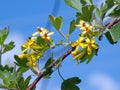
[{"x": 23, "y": 16}]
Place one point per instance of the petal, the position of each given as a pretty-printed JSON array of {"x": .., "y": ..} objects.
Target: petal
[
  {"x": 76, "y": 51},
  {"x": 78, "y": 25},
  {"x": 83, "y": 45},
  {"x": 89, "y": 50},
  {"x": 44, "y": 30},
  {"x": 35, "y": 46},
  {"x": 83, "y": 33},
  {"x": 74, "y": 44},
  {"x": 94, "y": 46},
  {"x": 93, "y": 41},
  {"x": 87, "y": 40},
  {"x": 48, "y": 38},
  {"x": 81, "y": 22},
  {"x": 24, "y": 45},
  {"x": 25, "y": 50},
  {"x": 81, "y": 39},
  {"x": 50, "y": 33},
  {"x": 34, "y": 38},
  {"x": 79, "y": 55},
  {"x": 22, "y": 56},
  {"x": 34, "y": 34},
  {"x": 83, "y": 28}
]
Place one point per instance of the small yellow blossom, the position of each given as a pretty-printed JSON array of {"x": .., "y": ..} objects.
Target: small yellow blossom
[
  {"x": 83, "y": 45},
  {"x": 40, "y": 31},
  {"x": 77, "y": 54},
  {"x": 43, "y": 33},
  {"x": 31, "y": 64},
  {"x": 46, "y": 36},
  {"x": 80, "y": 55},
  {"x": 30, "y": 44},
  {"x": 23, "y": 56},
  {"x": 85, "y": 27},
  {"x": 90, "y": 44},
  {"x": 32, "y": 58}
]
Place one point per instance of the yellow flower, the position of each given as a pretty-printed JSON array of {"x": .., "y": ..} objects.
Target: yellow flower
[
  {"x": 43, "y": 33},
  {"x": 31, "y": 64},
  {"x": 85, "y": 27},
  {"x": 40, "y": 31},
  {"x": 77, "y": 54},
  {"x": 80, "y": 55},
  {"x": 90, "y": 44},
  {"x": 23, "y": 56},
  {"x": 46, "y": 36},
  {"x": 32, "y": 58},
  {"x": 30, "y": 44}
]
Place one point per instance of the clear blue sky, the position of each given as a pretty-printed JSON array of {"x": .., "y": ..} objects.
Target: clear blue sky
[{"x": 23, "y": 16}]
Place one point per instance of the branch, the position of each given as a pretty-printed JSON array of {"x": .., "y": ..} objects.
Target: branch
[
  {"x": 40, "y": 75},
  {"x": 110, "y": 24}
]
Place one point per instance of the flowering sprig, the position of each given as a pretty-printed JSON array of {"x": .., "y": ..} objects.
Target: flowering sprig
[
  {"x": 85, "y": 44},
  {"x": 35, "y": 47}
]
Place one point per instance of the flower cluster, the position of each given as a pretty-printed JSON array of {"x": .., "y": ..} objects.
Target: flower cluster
[
  {"x": 36, "y": 46},
  {"x": 85, "y": 44}
]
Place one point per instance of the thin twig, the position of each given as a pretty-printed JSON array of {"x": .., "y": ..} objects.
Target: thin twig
[{"x": 60, "y": 73}]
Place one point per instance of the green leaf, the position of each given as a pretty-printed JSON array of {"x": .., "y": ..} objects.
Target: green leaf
[
  {"x": 3, "y": 35},
  {"x": 100, "y": 37},
  {"x": 109, "y": 37},
  {"x": 49, "y": 71},
  {"x": 70, "y": 84},
  {"x": 6, "y": 82},
  {"x": 22, "y": 69},
  {"x": 115, "y": 13},
  {"x": 102, "y": 11},
  {"x": 87, "y": 12},
  {"x": 89, "y": 2},
  {"x": 3, "y": 86},
  {"x": 23, "y": 84},
  {"x": 8, "y": 47},
  {"x": 21, "y": 62},
  {"x": 1, "y": 74},
  {"x": 76, "y": 4},
  {"x": 6, "y": 67},
  {"x": 83, "y": 2},
  {"x": 49, "y": 61},
  {"x": 56, "y": 21},
  {"x": 110, "y": 3},
  {"x": 72, "y": 26},
  {"x": 113, "y": 34},
  {"x": 94, "y": 52},
  {"x": 8, "y": 78},
  {"x": 87, "y": 57},
  {"x": 98, "y": 12},
  {"x": 117, "y": 2},
  {"x": 43, "y": 44},
  {"x": 27, "y": 81}
]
